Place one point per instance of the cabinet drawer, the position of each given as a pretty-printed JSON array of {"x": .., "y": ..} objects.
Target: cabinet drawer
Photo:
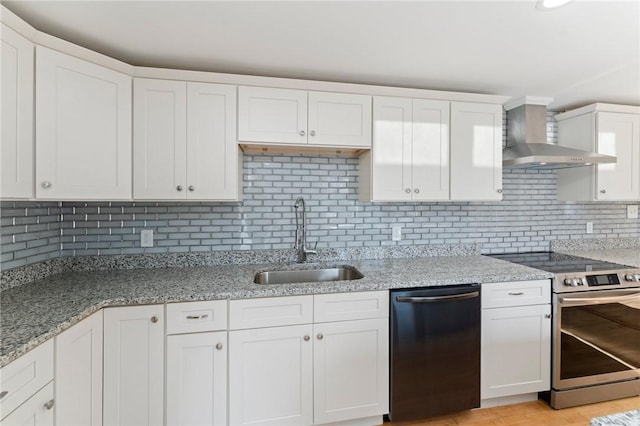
[
  {"x": 520, "y": 293},
  {"x": 25, "y": 376},
  {"x": 350, "y": 306},
  {"x": 194, "y": 317},
  {"x": 38, "y": 410},
  {"x": 270, "y": 312}
]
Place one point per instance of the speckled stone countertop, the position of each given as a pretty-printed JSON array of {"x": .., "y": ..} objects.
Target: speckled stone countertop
[
  {"x": 625, "y": 251},
  {"x": 32, "y": 313}
]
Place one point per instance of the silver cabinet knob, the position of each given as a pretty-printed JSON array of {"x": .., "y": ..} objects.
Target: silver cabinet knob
[
  {"x": 197, "y": 317},
  {"x": 306, "y": 338},
  {"x": 219, "y": 346},
  {"x": 408, "y": 190},
  {"x": 46, "y": 184},
  {"x": 320, "y": 336},
  {"x": 603, "y": 191},
  {"x": 154, "y": 319},
  {"x": 179, "y": 187},
  {"x": 417, "y": 190},
  {"x": 302, "y": 133},
  {"x": 312, "y": 133},
  {"x": 192, "y": 188},
  {"x": 3, "y": 394},
  {"x": 547, "y": 316},
  {"x": 49, "y": 404},
  {"x": 499, "y": 190}
]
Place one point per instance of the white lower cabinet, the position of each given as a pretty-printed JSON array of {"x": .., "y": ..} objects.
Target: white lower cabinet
[
  {"x": 134, "y": 365},
  {"x": 516, "y": 338},
  {"x": 196, "y": 363},
  {"x": 197, "y": 379},
  {"x": 26, "y": 388},
  {"x": 351, "y": 370},
  {"x": 78, "y": 372},
  {"x": 271, "y": 376},
  {"x": 306, "y": 374},
  {"x": 36, "y": 411}
]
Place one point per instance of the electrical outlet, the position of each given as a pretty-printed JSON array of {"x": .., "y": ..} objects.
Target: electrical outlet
[
  {"x": 632, "y": 211},
  {"x": 146, "y": 238},
  {"x": 396, "y": 232},
  {"x": 589, "y": 227}
]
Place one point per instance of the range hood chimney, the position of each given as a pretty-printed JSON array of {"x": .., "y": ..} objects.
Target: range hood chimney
[{"x": 527, "y": 146}]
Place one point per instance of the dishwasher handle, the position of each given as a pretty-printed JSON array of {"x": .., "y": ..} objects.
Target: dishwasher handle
[{"x": 429, "y": 299}]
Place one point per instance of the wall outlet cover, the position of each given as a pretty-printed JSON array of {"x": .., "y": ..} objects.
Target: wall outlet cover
[
  {"x": 589, "y": 227},
  {"x": 396, "y": 232},
  {"x": 146, "y": 238},
  {"x": 632, "y": 211}
]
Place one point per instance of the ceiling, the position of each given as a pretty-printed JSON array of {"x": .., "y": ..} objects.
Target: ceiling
[{"x": 584, "y": 52}]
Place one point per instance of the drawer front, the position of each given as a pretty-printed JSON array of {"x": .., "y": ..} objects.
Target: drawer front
[
  {"x": 194, "y": 317},
  {"x": 38, "y": 410},
  {"x": 350, "y": 306},
  {"x": 270, "y": 312},
  {"x": 25, "y": 376},
  {"x": 519, "y": 293}
]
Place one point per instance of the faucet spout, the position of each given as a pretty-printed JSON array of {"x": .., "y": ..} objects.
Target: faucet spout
[{"x": 301, "y": 231}]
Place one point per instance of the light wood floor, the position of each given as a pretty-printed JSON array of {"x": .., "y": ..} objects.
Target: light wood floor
[{"x": 536, "y": 413}]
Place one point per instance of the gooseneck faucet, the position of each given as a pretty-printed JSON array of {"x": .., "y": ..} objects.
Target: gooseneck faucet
[{"x": 301, "y": 231}]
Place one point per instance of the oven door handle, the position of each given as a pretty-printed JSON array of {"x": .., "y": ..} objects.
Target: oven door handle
[{"x": 597, "y": 300}]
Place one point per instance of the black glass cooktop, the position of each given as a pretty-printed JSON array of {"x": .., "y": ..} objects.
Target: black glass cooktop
[{"x": 558, "y": 263}]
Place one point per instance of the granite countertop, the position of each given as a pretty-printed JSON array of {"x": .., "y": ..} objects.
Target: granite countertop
[
  {"x": 32, "y": 313},
  {"x": 625, "y": 256}
]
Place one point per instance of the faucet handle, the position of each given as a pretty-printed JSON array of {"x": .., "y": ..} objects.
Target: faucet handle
[{"x": 314, "y": 249}]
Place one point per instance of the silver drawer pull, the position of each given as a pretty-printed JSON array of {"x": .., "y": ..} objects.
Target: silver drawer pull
[
  {"x": 3, "y": 394},
  {"x": 516, "y": 294},
  {"x": 219, "y": 346},
  {"x": 49, "y": 405},
  {"x": 203, "y": 316},
  {"x": 547, "y": 316},
  {"x": 154, "y": 319}
]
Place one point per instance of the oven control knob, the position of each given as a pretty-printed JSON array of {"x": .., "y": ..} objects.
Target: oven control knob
[
  {"x": 628, "y": 277},
  {"x": 567, "y": 281},
  {"x": 575, "y": 282},
  {"x": 580, "y": 282},
  {"x": 637, "y": 277}
]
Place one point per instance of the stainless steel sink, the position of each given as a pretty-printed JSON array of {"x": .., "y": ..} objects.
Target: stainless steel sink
[{"x": 308, "y": 275}]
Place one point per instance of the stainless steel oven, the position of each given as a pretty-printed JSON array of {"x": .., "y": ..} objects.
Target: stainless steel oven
[
  {"x": 596, "y": 328},
  {"x": 596, "y": 341}
]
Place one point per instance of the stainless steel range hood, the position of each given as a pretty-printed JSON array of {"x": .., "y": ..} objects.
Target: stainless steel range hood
[{"x": 527, "y": 146}]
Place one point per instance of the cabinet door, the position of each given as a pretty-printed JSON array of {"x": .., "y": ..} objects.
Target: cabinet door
[
  {"x": 516, "y": 350},
  {"x": 618, "y": 135},
  {"x": 351, "y": 370},
  {"x": 272, "y": 115},
  {"x": 83, "y": 129},
  {"x": 476, "y": 151},
  {"x": 197, "y": 379},
  {"x": 133, "y": 365},
  {"x": 78, "y": 370},
  {"x": 391, "y": 151},
  {"x": 36, "y": 411},
  {"x": 212, "y": 147},
  {"x": 271, "y": 376},
  {"x": 160, "y": 139},
  {"x": 16, "y": 149},
  {"x": 430, "y": 150},
  {"x": 339, "y": 119}
]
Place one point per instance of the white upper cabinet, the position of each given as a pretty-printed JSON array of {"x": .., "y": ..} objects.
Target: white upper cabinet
[
  {"x": 185, "y": 141},
  {"x": 410, "y": 155},
  {"x": 286, "y": 116},
  {"x": 607, "y": 129},
  {"x": 17, "y": 115},
  {"x": 83, "y": 129},
  {"x": 476, "y": 151}
]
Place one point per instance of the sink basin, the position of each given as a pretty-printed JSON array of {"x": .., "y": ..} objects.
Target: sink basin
[{"x": 308, "y": 276}]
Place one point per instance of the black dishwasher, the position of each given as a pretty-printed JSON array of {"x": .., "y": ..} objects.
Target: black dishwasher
[{"x": 435, "y": 351}]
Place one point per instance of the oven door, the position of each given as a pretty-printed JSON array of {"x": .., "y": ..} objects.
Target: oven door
[{"x": 596, "y": 338}]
